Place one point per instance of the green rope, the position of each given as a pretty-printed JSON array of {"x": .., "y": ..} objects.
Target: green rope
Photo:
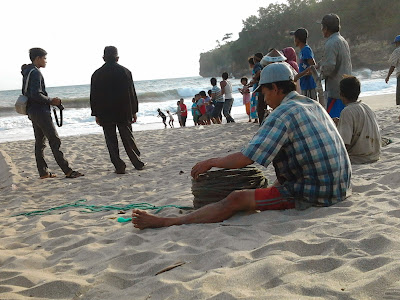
[{"x": 97, "y": 208}]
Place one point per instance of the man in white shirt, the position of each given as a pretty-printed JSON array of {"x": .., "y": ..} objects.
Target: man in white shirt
[
  {"x": 335, "y": 63},
  {"x": 394, "y": 61},
  {"x": 357, "y": 124}
]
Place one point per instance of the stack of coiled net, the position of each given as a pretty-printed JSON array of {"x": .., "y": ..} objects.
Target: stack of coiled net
[{"x": 214, "y": 186}]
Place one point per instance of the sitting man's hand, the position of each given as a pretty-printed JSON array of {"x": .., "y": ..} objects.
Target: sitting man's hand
[{"x": 200, "y": 168}]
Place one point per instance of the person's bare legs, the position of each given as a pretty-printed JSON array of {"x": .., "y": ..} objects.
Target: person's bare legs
[{"x": 216, "y": 212}]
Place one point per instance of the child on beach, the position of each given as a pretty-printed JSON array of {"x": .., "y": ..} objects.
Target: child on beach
[
  {"x": 357, "y": 124},
  {"x": 211, "y": 106},
  {"x": 164, "y": 118},
  {"x": 291, "y": 59},
  {"x": 178, "y": 113},
  {"x": 195, "y": 112},
  {"x": 245, "y": 91},
  {"x": 306, "y": 59},
  {"x": 254, "y": 95},
  {"x": 171, "y": 119},
  {"x": 208, "y": 104}
]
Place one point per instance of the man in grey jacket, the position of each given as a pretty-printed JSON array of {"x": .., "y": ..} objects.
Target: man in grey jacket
[{"x": 336, "y": 62}]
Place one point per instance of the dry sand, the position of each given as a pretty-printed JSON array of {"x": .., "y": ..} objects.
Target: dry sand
[{"x": 348, "y": 251}]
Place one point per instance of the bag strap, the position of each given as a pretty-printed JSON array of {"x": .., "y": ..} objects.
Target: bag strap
[
  {"x": 59, "y": 123},
  {"x": 27, "y": 81},
  {"x": 331, "y": 105}
]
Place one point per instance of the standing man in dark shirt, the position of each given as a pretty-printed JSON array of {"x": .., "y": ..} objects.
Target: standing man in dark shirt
[
  {"x": 38, "y": 110},
  {"x": 114, "y": 104}
]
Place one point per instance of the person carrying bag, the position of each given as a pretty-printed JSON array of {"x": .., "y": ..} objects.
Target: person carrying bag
[{"x": 38, "y": 110}]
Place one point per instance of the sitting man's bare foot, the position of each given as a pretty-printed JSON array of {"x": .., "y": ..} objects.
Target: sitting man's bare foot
[{"x": 142, "y": 220}]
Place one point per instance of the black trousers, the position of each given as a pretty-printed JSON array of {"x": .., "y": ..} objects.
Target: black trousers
[
  {"x": 43, "y": 127},
  {"x": 183, "y": 118},
  {"x": 261, "y": 106},
  {"x": 125, "y": 132}
]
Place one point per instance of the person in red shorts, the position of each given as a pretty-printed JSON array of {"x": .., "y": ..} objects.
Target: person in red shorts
[{"x": 300, "y": 139}]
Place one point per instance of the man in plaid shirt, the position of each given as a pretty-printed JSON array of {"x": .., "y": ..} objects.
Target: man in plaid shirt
[{"x": 300, "y": 139}]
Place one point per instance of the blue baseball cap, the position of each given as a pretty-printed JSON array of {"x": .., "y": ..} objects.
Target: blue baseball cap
[
  {"x": 275, "y": 72},
  {"x": 396, "y": 39}
]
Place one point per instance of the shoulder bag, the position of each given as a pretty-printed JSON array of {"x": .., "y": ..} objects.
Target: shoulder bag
[{"x": 22, "y": 101}]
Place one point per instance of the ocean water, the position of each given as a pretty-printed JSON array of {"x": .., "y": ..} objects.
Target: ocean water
[{"x": 152, "y": 94}]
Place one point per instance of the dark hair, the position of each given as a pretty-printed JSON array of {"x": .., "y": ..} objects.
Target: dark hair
[
  {"x": 332, "y": 29},
  {"x": 301, "y": 34},
  {"x": 259, "y": 55},
  {"x": 213, "y": 81},
  {"x": 209, "y": 92},
  {"x": 203, "y": 93},
  {"x": 251, "y": 61},
  {"x": 225, "y": 76},
  {"x": 36, "y": 52},
  {"x": 331, "y": 22},
  {"x": 110, "y": 54},
  {"x": 244, "y": 79},
  {"x": 350, "y": 88},
  {"x": 285, "y": 86}
]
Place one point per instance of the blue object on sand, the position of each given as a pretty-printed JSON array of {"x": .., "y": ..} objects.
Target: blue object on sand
[{"x": 123, "y": 220}]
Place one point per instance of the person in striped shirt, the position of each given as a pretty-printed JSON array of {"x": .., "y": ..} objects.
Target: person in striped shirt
[{"x": 301, "y": 141}]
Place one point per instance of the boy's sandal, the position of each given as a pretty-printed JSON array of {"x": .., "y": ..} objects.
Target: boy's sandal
[
  {"x": 74, "y": 174},
  {"x": 48, "y": 175}
]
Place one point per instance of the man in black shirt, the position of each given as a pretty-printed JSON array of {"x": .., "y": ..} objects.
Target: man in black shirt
[{"x": 114, "y": 104}]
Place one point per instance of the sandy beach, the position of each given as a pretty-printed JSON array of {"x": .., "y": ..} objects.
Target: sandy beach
[{"x": 347, "y": 251}]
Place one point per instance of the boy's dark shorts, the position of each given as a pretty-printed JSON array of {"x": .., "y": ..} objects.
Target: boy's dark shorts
[{"x": 217, "y": 109}]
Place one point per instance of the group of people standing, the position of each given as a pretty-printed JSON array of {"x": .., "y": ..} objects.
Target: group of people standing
[
  {"x": 335, "y": 63},
  {"x": 209, "y": 107}
]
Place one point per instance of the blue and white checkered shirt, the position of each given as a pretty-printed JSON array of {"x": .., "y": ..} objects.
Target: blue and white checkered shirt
[{"x": 309, "y": 156}]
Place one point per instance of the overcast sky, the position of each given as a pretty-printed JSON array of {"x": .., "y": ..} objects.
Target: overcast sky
[{"x": 156, "y": 39}]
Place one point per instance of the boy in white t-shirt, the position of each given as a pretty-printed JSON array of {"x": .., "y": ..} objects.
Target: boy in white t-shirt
[{"x": 357, "y": 124}]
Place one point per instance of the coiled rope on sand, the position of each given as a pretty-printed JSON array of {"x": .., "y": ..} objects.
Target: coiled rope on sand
[{"x": 214, "y": 186}]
